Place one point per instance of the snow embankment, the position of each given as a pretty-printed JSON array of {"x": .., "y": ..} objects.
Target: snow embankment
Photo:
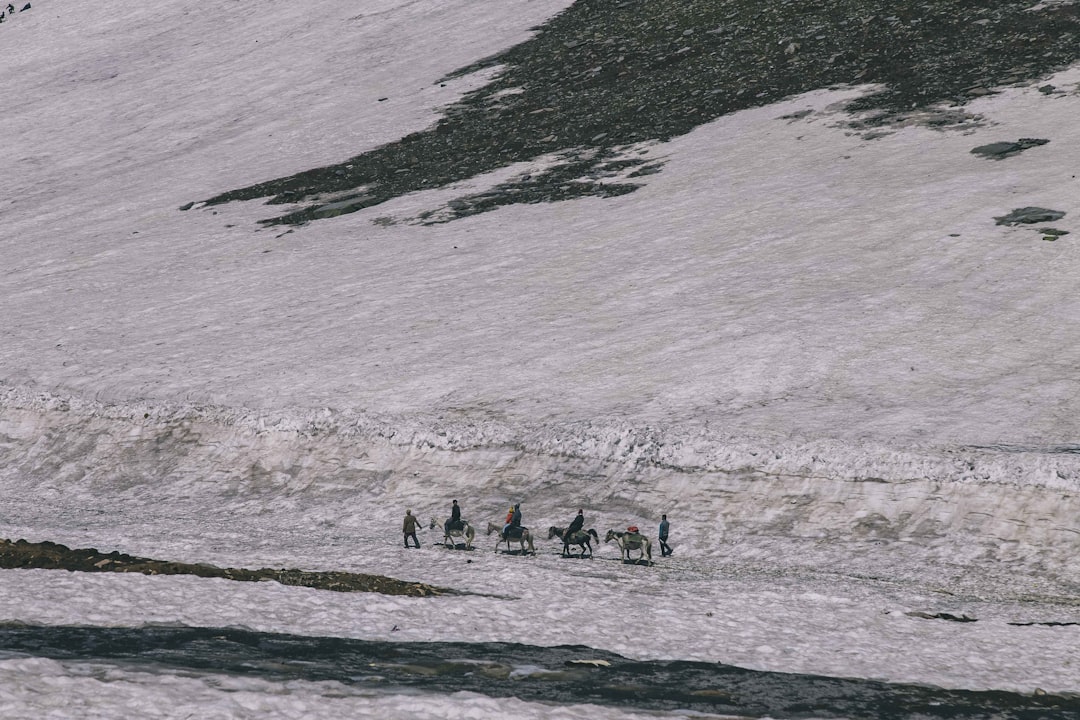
[{"x": 326, "y": 464}]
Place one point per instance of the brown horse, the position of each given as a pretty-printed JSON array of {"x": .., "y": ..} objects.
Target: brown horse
[{"x": 581, "y": 538}]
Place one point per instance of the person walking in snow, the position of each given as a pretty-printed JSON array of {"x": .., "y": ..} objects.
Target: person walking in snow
[
  {"x": 665, "y": 527},
  {"x": 409, "y": 528}
]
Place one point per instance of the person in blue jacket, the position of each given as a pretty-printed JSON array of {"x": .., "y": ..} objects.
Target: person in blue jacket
[{"x": 665, "y": 527}]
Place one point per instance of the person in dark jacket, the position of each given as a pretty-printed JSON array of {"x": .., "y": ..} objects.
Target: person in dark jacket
[
  {"x": 455, "y": 518},
  {"x": 665, "y": 527},
  {"x": 515, "y": 522},
  {"x": 409, "y": 528},
  {"x": 576, "y": 524}
]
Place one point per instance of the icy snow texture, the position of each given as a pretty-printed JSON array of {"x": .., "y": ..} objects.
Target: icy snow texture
[{"x": 785, "y": 312}]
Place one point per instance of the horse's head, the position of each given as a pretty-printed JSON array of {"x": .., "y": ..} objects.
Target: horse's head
[
  {"x": 554, "y": 532},
  {"x": 611, "y": 535},
  {"x": 432, "y": 525}
]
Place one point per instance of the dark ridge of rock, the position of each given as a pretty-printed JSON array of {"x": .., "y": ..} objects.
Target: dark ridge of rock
[
  {"x": 1029, "y": 216},
  {"x": 1002, "y": 150},
  {"x": 570, "y": 679},
  {"x": 51, "y": 556},
  {"x": 940, "y": 616},
  {"x": 606, "y": 76}
]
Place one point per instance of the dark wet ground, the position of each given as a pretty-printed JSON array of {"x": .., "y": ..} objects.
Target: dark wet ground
[
  {"x": 605, "y": 74},
  {"x": 566, "y": 674}
]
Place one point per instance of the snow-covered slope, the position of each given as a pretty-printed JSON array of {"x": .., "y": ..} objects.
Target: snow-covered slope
[
  {"x": 807, "y": 341},
  {"x": 779, "y": 277}
]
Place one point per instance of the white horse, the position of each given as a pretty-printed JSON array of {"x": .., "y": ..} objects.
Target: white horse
[
  {"x": 466, "y": 531},
  {"x": 525, "y": 537},
  {"x": 581, "y": 538},
  {"x": 631, "y": 541}
]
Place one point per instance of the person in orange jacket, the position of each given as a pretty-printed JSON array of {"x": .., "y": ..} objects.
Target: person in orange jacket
[{"x": 506, "y": 523}]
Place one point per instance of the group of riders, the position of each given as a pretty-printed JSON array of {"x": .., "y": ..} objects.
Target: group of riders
[{"x": 512, "y": 526}]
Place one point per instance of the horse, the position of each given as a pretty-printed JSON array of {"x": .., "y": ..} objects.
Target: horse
[
  {"x": 578, "y": 537},
  {"x": 523, "y": 538},
  {"x": 631, "y": 541},
  {"x": 466, "y": 531}
]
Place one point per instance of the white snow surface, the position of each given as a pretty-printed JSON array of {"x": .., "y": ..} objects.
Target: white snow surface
[{"x": 852, "y": 392}]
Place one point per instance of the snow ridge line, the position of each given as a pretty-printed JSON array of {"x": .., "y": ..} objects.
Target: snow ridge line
[{"x": 625, "y": 444}]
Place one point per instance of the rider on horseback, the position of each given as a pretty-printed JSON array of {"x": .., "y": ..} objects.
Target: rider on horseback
[
  {"x": 513, "y": 521},
  {"x": 576, "y": 524},
  {"x": 455, "y": 523}
]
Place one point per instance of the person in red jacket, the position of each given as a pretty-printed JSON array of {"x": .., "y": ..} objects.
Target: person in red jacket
[{"x": 506, "y": 523}]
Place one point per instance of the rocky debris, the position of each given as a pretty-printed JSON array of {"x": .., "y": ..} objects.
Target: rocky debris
[
  {"x": 341, "y": 207},
  {"x": 51, "y": 556},
  {"x": 940, "y": 616},
  {"x": 1052, "y": 233},
  {"x": 609, "y": 75},
  {"x": 1029, "y": 216},
  {"x": 1002, "y": 150}
]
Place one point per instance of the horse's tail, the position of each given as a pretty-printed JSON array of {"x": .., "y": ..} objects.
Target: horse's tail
[{"x": 592, "y": 531}]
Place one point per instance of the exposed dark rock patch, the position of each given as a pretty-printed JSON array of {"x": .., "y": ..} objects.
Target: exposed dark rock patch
[
  {"x": 1052, "y": 233},
  {"x": 51, "y": 556},
  {"x": 1029, "y": 216},
  {"x": 609, "y": 75},
  {"x": 1002, "y": 150},
  {"x": 562, "y": 675},
  {"x": 941, "y": 616}
]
